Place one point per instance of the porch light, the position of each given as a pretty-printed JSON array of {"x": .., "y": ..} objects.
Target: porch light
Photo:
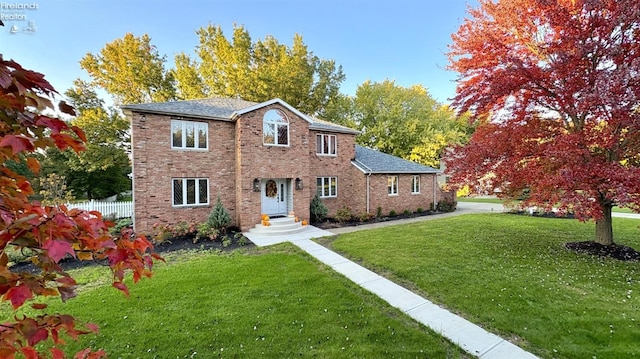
[
  {"x": 298, "y": 183},
  {"x": 256, "y": 185}
]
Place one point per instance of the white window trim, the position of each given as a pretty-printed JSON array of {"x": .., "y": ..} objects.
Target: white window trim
[
  {"x": 323, "y": 179},
  {"x": 184, "y": 192},
  {"x": 333, "y": 144},
  {"x": 395, "y": 181},
  {"x": 275, "y": 131},
  {"x": 415, "y": 181},
  {"x": 183, "y": 125}
]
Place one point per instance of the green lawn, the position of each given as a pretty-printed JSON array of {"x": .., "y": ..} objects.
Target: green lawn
[
  {"x": 274, "y": 303},
  {"x": 512, "y": 275}
]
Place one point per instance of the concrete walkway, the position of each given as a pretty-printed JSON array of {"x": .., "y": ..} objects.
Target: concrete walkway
[{"x": 470, "y": 337}]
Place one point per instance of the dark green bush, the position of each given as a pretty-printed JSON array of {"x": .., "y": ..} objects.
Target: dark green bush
[
  {"x": 219, "y": 217},
  {"x": 318, "y": 210},
  {"x": 446, "y": 206},
  {"x": 392, "y": 213}
]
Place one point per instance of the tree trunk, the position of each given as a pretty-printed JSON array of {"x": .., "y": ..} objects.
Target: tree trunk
[{"x": 604, "y": 228}]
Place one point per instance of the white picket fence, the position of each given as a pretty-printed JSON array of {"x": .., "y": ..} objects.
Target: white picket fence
[{"x": 108, "y": 209}]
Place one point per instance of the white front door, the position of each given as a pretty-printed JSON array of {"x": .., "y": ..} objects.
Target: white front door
[{"x": 274, "y": 197}]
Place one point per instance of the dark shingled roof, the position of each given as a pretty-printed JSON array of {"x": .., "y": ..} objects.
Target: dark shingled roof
[
  {"x": 208, "y": 108},
  {"x": 322, "y": 125},
  {"x": 372, "y": 161},
  {"x": 224, "y": 109}
]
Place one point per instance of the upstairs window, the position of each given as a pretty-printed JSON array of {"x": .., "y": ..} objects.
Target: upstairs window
[
  {"x": 189, "y": 135},
  {"x": 275, "y": 128},
  {"x": 326, "y": 145}
]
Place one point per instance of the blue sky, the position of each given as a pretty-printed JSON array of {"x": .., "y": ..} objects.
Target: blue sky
[{"x": 401, "y": 40}]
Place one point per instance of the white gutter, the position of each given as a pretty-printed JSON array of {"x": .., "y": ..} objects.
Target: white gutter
[{"x": 435, "y": 196}]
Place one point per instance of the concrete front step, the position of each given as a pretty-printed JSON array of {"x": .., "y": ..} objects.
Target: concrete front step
[{"x": 279, "y": 227}]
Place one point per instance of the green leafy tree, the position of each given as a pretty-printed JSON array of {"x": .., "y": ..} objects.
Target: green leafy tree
[
  {"x": 54, "y": 190},
  {"x": 405, "y": 122},
  {"x": 131, "y": 70},
  {"x": 189, "y": 84},
  {"x": 50, "y": 233},
  {"x": 102, "y": 170},
  {"x": 257, "y": 71}
]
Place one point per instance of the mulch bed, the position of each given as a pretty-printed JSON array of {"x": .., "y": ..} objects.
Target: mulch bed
[
  {"x": 616, "y": 251},
  {"x": 168, "y": 246},
  {"x": 330, "y": 223}
]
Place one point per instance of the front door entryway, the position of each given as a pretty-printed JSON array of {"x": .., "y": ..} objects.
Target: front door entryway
[{"x": 274, "y": 197}]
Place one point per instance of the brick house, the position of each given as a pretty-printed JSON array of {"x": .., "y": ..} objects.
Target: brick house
[{"x": 260, "y": 158}]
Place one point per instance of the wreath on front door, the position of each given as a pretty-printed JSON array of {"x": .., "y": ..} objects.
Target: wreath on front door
[{"x": 271, "y": 189}]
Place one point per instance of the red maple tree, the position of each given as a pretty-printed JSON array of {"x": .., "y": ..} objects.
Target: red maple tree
[
  {"x": 555, "y": 87},
  {"x": 50, "y": 233}
]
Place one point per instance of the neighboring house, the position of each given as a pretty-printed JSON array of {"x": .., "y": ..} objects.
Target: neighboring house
[{"x": 260, "y": 158}]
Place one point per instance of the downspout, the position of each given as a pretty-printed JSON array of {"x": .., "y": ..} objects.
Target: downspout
[
  {"x": 435, "y": 196},
  {"x": 368, "y": 183}
]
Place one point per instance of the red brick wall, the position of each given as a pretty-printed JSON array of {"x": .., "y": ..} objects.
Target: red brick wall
[
  {"x": 405, "y": 200},
  {"x": 256, "y": 160},
  {"x": 155, "y": 164},
  {"x": 335, "y": 166}
]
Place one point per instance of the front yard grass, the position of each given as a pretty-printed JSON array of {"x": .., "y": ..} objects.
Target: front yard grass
[
  {"x": 512, "y": 275},
  {"x": 274, "y": 303}
]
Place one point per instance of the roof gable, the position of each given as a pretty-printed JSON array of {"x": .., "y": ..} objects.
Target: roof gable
[
  {"x": 271, "y": 102},
  {"x": 375, "y": 162}
]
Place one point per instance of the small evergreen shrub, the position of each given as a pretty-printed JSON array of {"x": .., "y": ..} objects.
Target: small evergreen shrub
[
  {"x": 419, "y": 210},
  {"x": 219, "y": 218},
  {"x": 379, "y": 212},
  {"x": 344, "y": 215},
  {"x": 406, "y": 212},
  {"x": 318, "y": 210},
  {"x": 446, "y": 206},
  {"x": 392, "y": 213}
]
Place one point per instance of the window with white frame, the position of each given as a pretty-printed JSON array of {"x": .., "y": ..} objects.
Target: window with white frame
[
  {"x": 189, "y": 135},
  {"x": 415, "y": 184},
  {"x": 392, "y": 185},
  {"x": 326, "y": 145},
  {"x": 275, "y": 128},
  {"x": 190, "y": 191},
  {"x": 327, "y": 187}
]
